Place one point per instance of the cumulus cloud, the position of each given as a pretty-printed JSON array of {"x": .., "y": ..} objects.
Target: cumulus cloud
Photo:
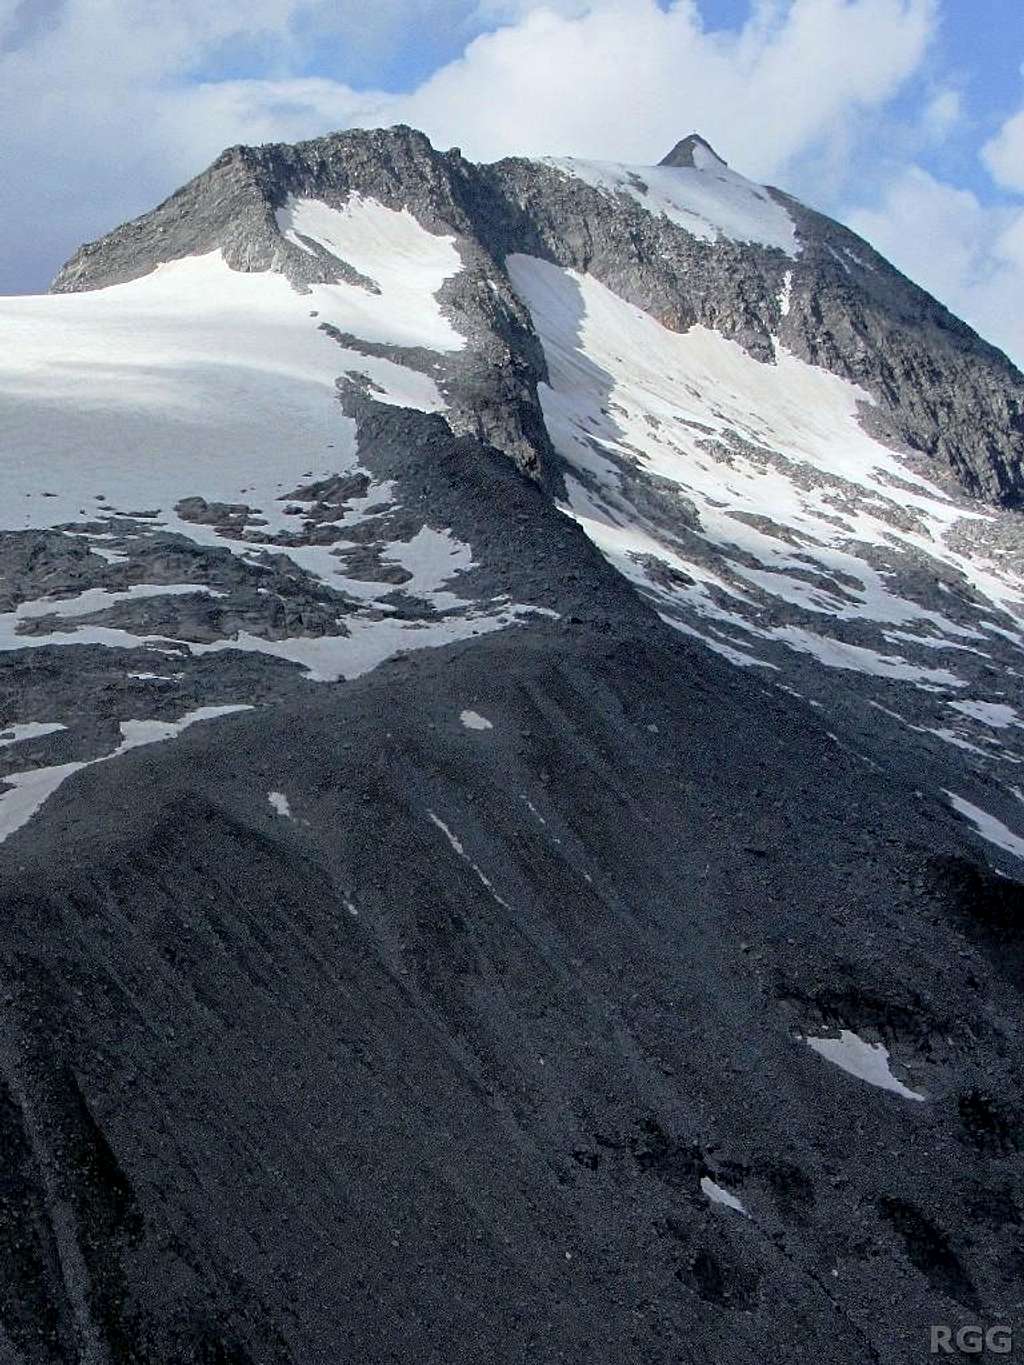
[
  {"x": 941, "y": 114},
  {"x": 967, "y": 248},
  {"x": 969, "y": 254},
  {"x": 1004, "y": 154},
  {"x": 84, "y": 97},
  {"x": 788, "y": 79},
  {"x": 107, "y": 107}
]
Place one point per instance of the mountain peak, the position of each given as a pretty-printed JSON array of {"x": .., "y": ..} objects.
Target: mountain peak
[
  {"x": 302, "y": 680},
  {"x": 693, "y": 153}
]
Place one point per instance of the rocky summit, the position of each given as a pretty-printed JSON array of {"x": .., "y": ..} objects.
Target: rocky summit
[{"x": 511, "y": 811}]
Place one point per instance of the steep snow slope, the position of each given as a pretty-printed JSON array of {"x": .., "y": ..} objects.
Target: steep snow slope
[
  {"x": 403, "y": 267},
  {"x": 750, "y": 504}
]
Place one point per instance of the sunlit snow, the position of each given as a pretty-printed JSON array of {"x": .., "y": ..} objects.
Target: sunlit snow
[
  {"x": 988, "y": 826},
  {"x": 473, "y": 720},
  {"x": 29, "y": 729},
  {"x": 406, "y": 263},
  {"x": 867, "y": 1061},
  {"x": 718, "y": 1195}
]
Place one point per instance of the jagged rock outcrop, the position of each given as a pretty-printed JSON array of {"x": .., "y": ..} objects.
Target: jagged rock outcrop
[{"x": 686, "y": 153}]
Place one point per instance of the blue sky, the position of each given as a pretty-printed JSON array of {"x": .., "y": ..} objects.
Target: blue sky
[{"x": 904, "y": 118}]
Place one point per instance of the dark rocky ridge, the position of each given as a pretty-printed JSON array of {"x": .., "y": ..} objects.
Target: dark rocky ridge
[
  {"x": 939, "y": 384},
  {"x": 330, "y": 1088}
]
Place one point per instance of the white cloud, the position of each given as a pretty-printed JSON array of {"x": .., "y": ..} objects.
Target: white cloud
[
  {"x": 124, "y": 120},
  {"x": 489, "y": 12},
  {"x": 969, "y": 254},
  {"x": 1004, "y": 154},
  {"x": 941, "y": 115},
  {"x": 556, "y": 83}
]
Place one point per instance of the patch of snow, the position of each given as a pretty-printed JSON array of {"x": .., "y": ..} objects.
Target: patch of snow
[
  {"x": 790, "y": 498},
  {"x": 988, "y": 826},
  {"x": 97, "y": 599},
  {"x": 406, "y": 262},
  {"x": 839, "y": 654},
  {"x": 786, "y": 297},
  {"x": 738, "y": 657},
  {"x": 280, "y": 804},
  {"x": 29, "y": 790},
  {"x": 433, "y": 558},
  {"x": 718, "y": 1195},
  {"x": 29, "y": 729},
  {"x": 931, "y": 642},
  {"x": 135, "y": 733},
  {"x": 485, "y": 881},
  {"x": 995, "y": 714},
  {"x": 867, "y": 1061},
  {"x": 951, "y": 737},
  {"x": 326, "y": 658},
  {"x": 472, "y": 720}
]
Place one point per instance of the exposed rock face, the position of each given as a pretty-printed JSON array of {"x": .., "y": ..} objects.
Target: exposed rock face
[
  {"x": 856, "y": 316},
  {"x": 683, "y": 153}
]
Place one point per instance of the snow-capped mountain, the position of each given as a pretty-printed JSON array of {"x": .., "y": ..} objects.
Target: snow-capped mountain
[{"x": 570, "y": 617}]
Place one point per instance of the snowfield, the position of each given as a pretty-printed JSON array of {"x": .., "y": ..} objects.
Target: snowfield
[
  {"x": 200, "y": 381},
  {"x": 748, "y": 503},
  {"x": 406, "y": 264},
  {"x": 788, "y": 487}
]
